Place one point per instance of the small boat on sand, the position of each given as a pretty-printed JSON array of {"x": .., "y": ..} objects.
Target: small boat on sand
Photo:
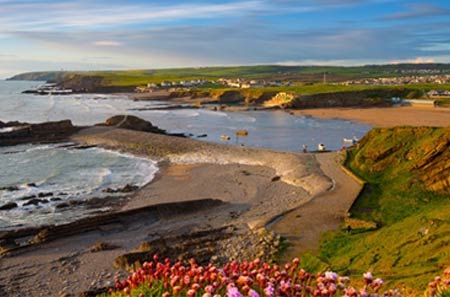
[{"x": 350, "y": 140}]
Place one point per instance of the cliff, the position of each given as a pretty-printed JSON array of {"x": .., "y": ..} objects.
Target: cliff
[
  {"x": 406, "y": 197},
  {"x": 423, "y": 153},
  {"x": 48, "y": 76}
]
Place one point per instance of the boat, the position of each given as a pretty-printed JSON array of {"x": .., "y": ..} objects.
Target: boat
[
  {"x": 241, "y": 133},
  {"x": 350, "y": 140},
  {"x": 225, "y": 137}
]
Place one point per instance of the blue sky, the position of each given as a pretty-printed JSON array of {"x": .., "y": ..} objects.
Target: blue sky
[{"x": 93, "y": 34}]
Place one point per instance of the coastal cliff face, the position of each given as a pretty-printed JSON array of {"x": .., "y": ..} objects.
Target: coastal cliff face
[
  {"x": 81, "y": 83},
  {"x": 423, "y": 152},
  {"x": 406, "y": 198},
  {"x": 50, "y": 76},
  {"x": 367, "y": 98}
]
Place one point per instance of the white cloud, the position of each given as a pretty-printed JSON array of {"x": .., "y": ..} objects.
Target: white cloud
[
  {"x": 68, "y": 15},
  {"x": 107, "y": 43},
  {"x": 418, "y": 60}
]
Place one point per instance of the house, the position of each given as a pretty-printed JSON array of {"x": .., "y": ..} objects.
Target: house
[{"x": 437, "y": 93}]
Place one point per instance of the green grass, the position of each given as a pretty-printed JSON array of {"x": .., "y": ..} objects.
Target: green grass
[
  {"x": 293, "y": 73},
  {"x": 413, "y": 243}
]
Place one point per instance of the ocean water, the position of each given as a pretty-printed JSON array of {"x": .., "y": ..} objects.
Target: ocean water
[
  {"x": 73, "y": 176},
  {"x": 269, "y": 129},
  {"x": 62, "y": 174}
]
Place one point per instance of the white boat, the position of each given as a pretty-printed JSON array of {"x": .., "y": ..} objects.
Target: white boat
[{"x": 350, "y": 140}]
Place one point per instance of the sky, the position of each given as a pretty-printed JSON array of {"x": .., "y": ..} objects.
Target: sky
[{"x": 137, "y": 34}]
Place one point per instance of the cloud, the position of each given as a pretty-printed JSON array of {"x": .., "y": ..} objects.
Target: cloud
[
  {"x": 72, "y": 15},
  {"x": 258, "y": 43},
  {"x": 418, "y": 60},
  {"x": 158, "y": 33},
  {"x": 418, "y": 10},
  {"x": 107, "y": 43}
]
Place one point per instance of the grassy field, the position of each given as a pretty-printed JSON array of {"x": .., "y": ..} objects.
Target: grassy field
[
  {"x": 293, "y": 73},
  {"x": 319, "y": 88},
  {"x": 407, "y": 195}
]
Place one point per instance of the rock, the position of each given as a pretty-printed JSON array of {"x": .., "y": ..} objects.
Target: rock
[
  {"x": 44, "y": 132},
  {"x": 35, "y": 201},
  {"x": 55, "y": 199},
  {"x": 276, "y": 178},
  {"x": 28, "y": 197},
  {"x": 8, "y": 206},
  {"x": 127, "y": 189},
  {"x": 62, "y": 205},
  {"x": 230, "y": 97},
  {"x": 9, "y": 188},
  {"x": 202, "y": 135},
  {"x": 42, "y": 195},
  {"x": 102, "y": 246},
  {"x": 133, "y": 123},
  {"x": 2, "y": 125},
  {"x": 33, "y": 185}
]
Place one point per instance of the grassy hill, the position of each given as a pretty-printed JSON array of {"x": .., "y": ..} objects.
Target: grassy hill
[
  {"x": 295, "y": 73},
  {"x": 407, "y": 170}
]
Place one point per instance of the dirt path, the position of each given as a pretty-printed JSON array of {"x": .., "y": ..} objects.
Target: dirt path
[{"x": 303, "y": 227}]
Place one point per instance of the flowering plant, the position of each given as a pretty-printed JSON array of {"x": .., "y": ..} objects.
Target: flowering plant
[{"x": 234, "y": 279}]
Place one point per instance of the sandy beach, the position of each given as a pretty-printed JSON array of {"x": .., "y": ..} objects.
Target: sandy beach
[
  {"x": 304, "y": 226},
  {"x": 386, "y": 116},
  {"x": 209, "y": 200}
]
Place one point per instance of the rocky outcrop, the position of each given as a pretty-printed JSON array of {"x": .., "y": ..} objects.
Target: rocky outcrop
[
  {"x": 8, "y": 206},
  {"x": 2, "y": 125},
  {"x": 50, "y": 76},
  {"x": 159, "y": 211},
  {"x": 367, "y": 98},
  {"x": 231, "y": 97},
  {"x": 423, "y": 152},
  {"x": 38, "y": 133},
  {"x": 132, "y": 123}
]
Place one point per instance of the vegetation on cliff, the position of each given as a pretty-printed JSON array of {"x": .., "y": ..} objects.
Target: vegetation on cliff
[
  {"x": 407, "y": 197},
  {"x": 254, "y": 279}
]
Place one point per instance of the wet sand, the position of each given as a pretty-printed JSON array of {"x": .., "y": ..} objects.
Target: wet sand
[
  {"x": 386, "y": 116},
  {"x": 304, "y": 226},
  {"x": 239, "y": 189}
]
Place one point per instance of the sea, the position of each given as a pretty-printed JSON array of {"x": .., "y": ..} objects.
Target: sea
[{"x": 37, "y": 170}]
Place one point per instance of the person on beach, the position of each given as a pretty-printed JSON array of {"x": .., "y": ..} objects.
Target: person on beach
[{"x": 305, "y": 148}]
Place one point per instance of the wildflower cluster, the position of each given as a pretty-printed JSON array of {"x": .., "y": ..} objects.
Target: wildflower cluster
[
  {"x": 253, "y": 279},
  {"x": 440, "y": 286}
]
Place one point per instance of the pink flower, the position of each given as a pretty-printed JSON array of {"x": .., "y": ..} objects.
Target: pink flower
[
  {"x": 252, "y": 293},
  {"x": 331, "y": 276},
  {"x": 368, "y": 277},
  {"x": 269, "y": 290},
  {"x": 378, "y": 282},
  {"x": 233, "y": 292}
]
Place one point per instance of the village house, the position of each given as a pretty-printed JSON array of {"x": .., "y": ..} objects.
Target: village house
[{"x": 438, "y": 93}]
